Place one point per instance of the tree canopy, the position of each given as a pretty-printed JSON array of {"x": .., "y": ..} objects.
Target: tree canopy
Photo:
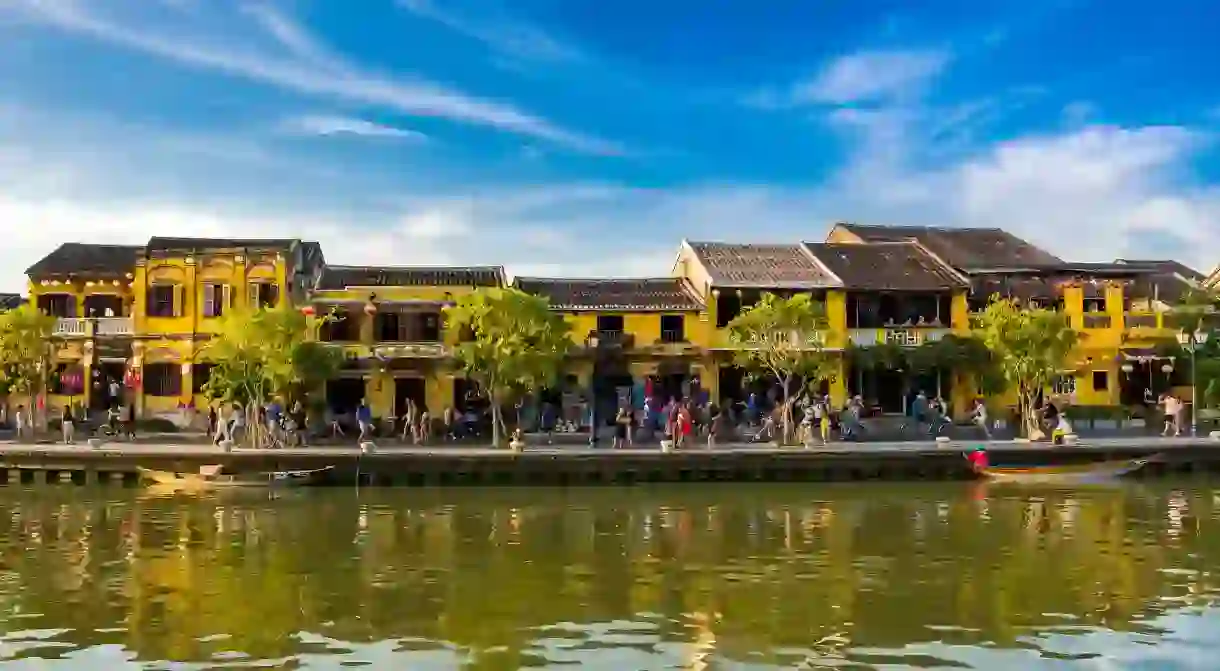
[
  {"x": 25, "y": 350},
  {"x": 257, "y": 355},
  {"x": 784, "y": 338},
  {"x": 514, "y": 343},
  {"x": 1031, "y": 346}
]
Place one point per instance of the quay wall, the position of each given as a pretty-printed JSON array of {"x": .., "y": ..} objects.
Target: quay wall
[{"x": 458, "y": 466}]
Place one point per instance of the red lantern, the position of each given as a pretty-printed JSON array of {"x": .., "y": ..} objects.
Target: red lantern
[
  {"x": 370, "y": 308},
  {"x": 308, "y": 311}
]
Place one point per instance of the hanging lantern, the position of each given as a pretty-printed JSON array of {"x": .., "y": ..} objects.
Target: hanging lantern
[
  {"x": 370, "y": 307},
  {"x": 1127, "y": 368},
  {"x": 308, "y": 311},
  {"x": 1167, "y": 368}
]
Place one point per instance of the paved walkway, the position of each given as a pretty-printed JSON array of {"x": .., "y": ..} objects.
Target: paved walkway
[{"x": 196, "y": 449}]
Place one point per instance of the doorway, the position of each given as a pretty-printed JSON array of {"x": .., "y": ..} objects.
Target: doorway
[
  {"x": 107, "y": 385},
  {"x": 344, "y": 394},
  {"x": 409, "y": 389}
]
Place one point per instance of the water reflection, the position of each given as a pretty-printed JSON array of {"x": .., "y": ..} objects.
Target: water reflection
[{"x": 700, "y": 578}]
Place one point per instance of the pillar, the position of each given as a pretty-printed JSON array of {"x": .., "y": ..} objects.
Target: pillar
[
  {"x": 438, "y": 392},
  {"x": 186, "y": 395},
  {"x": 282, "y": 293},
  {"x": 139, "y": 297},
  {"x": 242, "y": 299},
  {"x": 836, "y": 318},
  {"x": 838, "y": 383},
  {"x": 959, "y": 313}
]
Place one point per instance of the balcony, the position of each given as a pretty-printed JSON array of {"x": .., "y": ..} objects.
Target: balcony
[
  {"x": 1097, "y": 321},
  {"x": 1140, "y": 320},
  {"x": 101, "y": 327},
  {"x": 607, "y": 339},
  {"x": 902, "y": 336}
]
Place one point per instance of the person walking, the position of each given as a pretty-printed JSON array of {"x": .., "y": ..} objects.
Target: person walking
[
  {"x": 22, "y": 424},
  {"x": 67, "y": 426},
  {"x": 364, "y": 419},
  {"x": 979, "y": 417}
]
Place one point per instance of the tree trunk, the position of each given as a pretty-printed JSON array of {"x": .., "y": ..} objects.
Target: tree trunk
[
  {"x": 785, "y": 416},
  {"x": 495, "y": 422}
]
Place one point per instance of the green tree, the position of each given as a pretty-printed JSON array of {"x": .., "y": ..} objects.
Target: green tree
[
  {"x": 515, "y": 344},
  {"x": 258, "y": 355},
  {"x": 784, "y": 338},
  {"x": 1030, "y": 346},
  {"x": 26, "y": 351},
  {"x": 1198, "y": 311}
]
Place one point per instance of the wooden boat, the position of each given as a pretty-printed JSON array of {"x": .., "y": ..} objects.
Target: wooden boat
[
  {"x": 212, "y": 477},
  {"x": 1081, "y": 473}
]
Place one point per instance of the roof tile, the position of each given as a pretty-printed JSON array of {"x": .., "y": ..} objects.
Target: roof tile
[
  {"x": 733, "y": 265},
  {"x": 644, "y": 294},
  {"x": 343, "y": 277},
  {"x": 86, "y": 260},
  {"x": 963, "y": 247},
  {"x": 886, "y": 266}
]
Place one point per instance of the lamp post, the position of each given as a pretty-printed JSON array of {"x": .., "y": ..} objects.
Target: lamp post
[
  {"x": 1191, "y": 342},
  {"x": 593, "y": 341}
]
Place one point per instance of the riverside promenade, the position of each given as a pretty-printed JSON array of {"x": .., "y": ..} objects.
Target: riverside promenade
[{"x": 580, "y": 465}]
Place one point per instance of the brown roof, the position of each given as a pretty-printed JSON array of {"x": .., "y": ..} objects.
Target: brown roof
[
  {"x": 1026, "y": 286},
  {"x": 963, "y": 247},
  {"x": 761, "y": 266},
  {"x": 886, "y": 266},
  {"x": 160, "y": 244},
  {"x": 10, "y": 301},
  {"x": 342, "y": 277},
  {"x": 86, "y": 260},
  {"x": 660, "y": 294},
  {"x": 1165, "y": 266}
]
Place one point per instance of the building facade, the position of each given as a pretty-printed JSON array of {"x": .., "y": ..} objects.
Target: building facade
[{"x": 133, "y": 319}]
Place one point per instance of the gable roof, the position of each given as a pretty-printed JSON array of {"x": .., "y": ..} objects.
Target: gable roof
[
  {"x": 648, "y": 294},
  {"x": 11, "y": 301},
  {"x": 86, "y": 260},
  {"x": 342, "y": 277},
  {"x": 886, "y": 266},
  {"x": 756, "y": 266},
  {"x": 962, "y": 247}
]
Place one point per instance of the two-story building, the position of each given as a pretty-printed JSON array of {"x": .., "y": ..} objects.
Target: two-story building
[
  {"x": 390, "y": 323},
  {"x": 631, "y": 338},
  {"x": 88, "y": 289}
]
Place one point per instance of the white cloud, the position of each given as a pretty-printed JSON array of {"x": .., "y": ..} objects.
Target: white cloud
[
  {"x": 505, "y": 35},
  {"x": 302, "y": 75},
  {"x": 330, "y": 124},
  {"x": 860, "y": 77}
]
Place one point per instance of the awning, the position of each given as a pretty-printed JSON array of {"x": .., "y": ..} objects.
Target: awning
[{"x": 1143, "y": 355}]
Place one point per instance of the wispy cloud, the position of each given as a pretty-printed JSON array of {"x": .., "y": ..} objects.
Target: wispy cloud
[
  {"x": 508, "y": 36},
  {"x": 861, "y": 77},
  {"x": 331, "y": 124},
  {"x": 302, "y": 75}
]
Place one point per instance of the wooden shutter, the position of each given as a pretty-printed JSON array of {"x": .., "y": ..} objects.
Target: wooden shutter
[
  {"x": 252, "y": 296},
  {"x": 209, "y": 300},
  {"x": 228, "y": 296},
  {"x": 178, "y": 301}
]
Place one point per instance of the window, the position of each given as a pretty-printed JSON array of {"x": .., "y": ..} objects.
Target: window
[
  {"x": 162, "y": 300},
  {"x": 673, "y": 328},
  {"x": 57, "y": 305},
  {"x": 200, "y": 374},
  {"x": 610, "y": 323},
  {"x": 215, "y": 299},
  {"x": 389, "y": 327},
  {"x": 343, "y": 327},
  {"x": 1094, "y": 305},
  {"x": 264, "y": 295},
  {"x": 162, "y": 379},
  {"x": 1101, "y": 380},
  {"x": 1064, "y": 385}
]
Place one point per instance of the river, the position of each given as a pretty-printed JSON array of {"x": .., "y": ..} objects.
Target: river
[{"x": 698, "y": 577}]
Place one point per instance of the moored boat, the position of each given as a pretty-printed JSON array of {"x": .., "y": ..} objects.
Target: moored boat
[
  {"x": 1106, "y": 470},
  {"x": 210, "y": 477}
]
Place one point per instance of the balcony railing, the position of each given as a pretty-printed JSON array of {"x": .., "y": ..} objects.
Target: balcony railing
[
  {"x": 1140, "y": 321},
  {"x": 86, "y": 327},
  {"x": 904, "y": 336},
  {"x": 610, "y": 339},
  {"x": 1097, "y": 321},
  {"x": 672, "y": 337}
]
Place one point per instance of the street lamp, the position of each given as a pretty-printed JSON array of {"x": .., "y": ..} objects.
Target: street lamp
[
  {"x": 1191, "y": 342},
  {"x": 593, "y": 341}
]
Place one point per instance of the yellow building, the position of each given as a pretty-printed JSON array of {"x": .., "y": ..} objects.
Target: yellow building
[
  {"x": 389, "y": 322},
  {"x": 631, "y": 337}
]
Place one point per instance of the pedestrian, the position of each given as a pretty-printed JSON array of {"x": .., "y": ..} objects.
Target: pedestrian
[
  {"x": 364, "y": 419},
  {"x": 719, "y": 427},
  {"x": 129, "y": 420},
  {"x": 979, "y": 417},
  {"x": 21, "y": 424},
  {"x": 620, "y": 429},
  {"x": 1170, "y": 406},
  {"x": 68, "y": 426}
]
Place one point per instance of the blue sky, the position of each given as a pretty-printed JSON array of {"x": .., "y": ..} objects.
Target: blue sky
[{"x": 581, "y": 138}]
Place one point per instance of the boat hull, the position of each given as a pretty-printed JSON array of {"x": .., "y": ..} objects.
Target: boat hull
[
  {"x": 1108, "y": 470},
  {"x": 196, "y": 481}
]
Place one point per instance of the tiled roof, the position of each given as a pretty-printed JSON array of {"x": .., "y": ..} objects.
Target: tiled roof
[
  {"x": 760, "y": 266},
  {"x": 963, "y": 247},
  {"x": 159, "y": 244},
  {"x": 1166, "y": 266},
  {"x": 646, "y": 294},
  {"x": 1169, "y": 288},
  {"x": 11, "y": 301},
  {"x": 1027, "y": 286},
  {"x": 886, "y": 266},
  {"x": 342, "y": 277},
  {"x": 85, "y": 260}
]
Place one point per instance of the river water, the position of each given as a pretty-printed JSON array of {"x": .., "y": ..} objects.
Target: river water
[{"x": 676, "y": 577}]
